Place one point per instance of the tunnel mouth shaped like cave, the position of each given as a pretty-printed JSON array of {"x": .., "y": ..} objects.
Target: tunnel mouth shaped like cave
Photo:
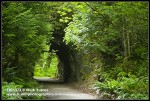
[{"x": 66, "y": 65}]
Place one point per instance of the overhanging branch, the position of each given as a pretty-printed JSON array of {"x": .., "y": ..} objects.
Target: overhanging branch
[{"x": 99, "y": 13}]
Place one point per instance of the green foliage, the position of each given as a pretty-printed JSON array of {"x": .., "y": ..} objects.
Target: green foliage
[
  {"x": 26, "y": 30},
  {"x": 43, "y": 70},
  {"x": 113, "y": 31},
  {"x": 30, "y": 84},
  {"x": 25, "y": 33},
  {"x": 111, "y": 38},
  {"x": 99, "y": 28},
  {"x": 6, "y": 86},
  {"x": 122, "y": 87},
  {"x": 19, "y": 84},
  {"x": 18, "y": 81}
]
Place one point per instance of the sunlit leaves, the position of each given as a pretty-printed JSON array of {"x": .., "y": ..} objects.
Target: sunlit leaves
[
  {"x": 25, "y": 32},
  {"x": 109, "y": 30}
]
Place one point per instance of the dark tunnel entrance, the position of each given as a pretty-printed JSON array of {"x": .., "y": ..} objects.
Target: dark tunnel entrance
[
  {"x": 64, "y": 68},
  {"x": 62, "y": 52},
  {"x": 63, "y": 57}
]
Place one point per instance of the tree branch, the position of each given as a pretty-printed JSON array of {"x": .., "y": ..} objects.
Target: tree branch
[
  {"x": 98, "y": 12},
  {"x": 94, "y": 9}
]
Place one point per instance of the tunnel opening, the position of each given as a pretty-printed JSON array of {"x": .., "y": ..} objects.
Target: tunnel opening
[
  {"x": 63, "y": 60},
  {"x": 63, "y": 53},
  {"x": 47, "y": 66}
]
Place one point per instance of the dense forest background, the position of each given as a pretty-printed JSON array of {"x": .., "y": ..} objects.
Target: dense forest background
[{"x": 109, "y": 41}]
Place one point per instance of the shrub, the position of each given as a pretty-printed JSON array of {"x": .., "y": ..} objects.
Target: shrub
[
  {"x": 6, "y": 86},
  {"x": 125, "y": 88}
]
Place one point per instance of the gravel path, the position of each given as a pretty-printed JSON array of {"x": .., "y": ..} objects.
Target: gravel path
[{"x": 60, "y": 90}]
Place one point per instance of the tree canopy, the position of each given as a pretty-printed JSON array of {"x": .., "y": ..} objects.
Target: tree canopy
[{"x": 109, "y": 39}]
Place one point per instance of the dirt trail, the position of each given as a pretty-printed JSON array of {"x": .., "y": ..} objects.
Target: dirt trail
[{"x": 59, "y": 90}]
